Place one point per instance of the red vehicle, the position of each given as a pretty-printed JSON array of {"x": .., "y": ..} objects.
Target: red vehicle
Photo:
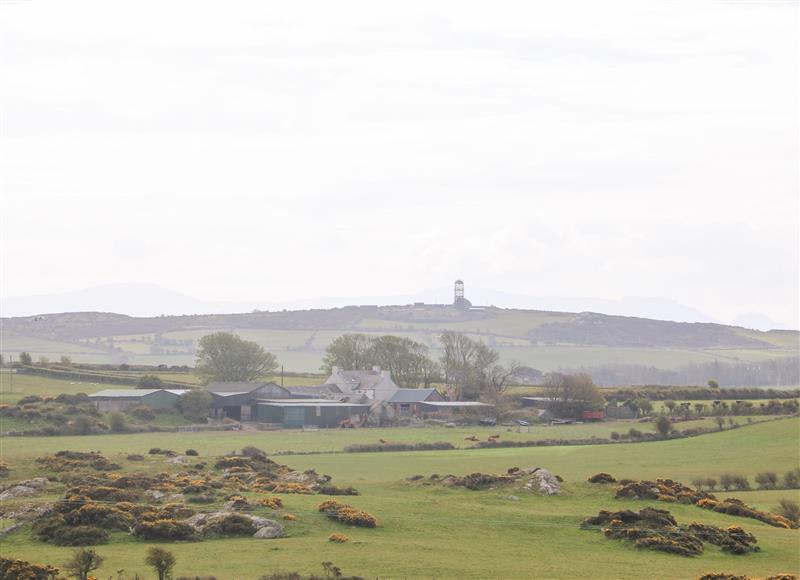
[{"x": 593, "y": 415}]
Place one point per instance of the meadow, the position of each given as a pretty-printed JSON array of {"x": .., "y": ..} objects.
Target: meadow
[{"x": 436, "y": 532}]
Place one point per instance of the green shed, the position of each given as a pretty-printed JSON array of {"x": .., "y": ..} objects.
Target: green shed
[{"x": 297, "y": 413}]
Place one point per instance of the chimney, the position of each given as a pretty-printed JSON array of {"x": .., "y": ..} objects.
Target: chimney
[{"x": 376, "y": 369}]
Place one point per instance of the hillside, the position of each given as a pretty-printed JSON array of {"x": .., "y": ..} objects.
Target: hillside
[{"x": 541, "y": 339}]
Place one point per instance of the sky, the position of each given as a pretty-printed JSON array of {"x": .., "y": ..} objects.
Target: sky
[{"x": 279, "y": 151}]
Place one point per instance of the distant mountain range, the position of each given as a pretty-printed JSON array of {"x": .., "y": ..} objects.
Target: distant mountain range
[{"x": 143, "y": 299}]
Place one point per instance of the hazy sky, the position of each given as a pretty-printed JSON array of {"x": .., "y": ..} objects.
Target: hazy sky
[{"x": 265, "y": 150}]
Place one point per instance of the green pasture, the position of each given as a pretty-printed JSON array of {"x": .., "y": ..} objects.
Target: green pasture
[{"x": 434, "y": 532}]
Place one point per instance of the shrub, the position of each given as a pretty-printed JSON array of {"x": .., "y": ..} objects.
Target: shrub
[
  {"x": 80, "y": 536},
  {"x": 634, "y": 433},
  {"x": 726, "y": 481},
  {"x": 347, "y": 514},
  {"x": 614, "y": 436},
  {"x": 791, "y": 479},
  {"x": 790, "y": 510},
  {"x": 191, "y": 453},
  {"x": 767, "y": 480},
  {"x": 161, "y": 561},
  {"x": 135, "y": 457},
  {"x": 163, "y": 529},
  {"x": 272, "y": 503},
  {"x": 117, "y": 422},
  {"x": 710, "y": 483},
  {"x": 338, "y": 538},
  {"x": 334, "y": 490},
  {"x": 150, "y": 382},
  {"x": 142, "y": 412},
  {"x": 232, "y": 525},
  {"x": 22, "y": 570},
  {"x": 602, "y": 478},
  {"x": 289, "y": 517}
]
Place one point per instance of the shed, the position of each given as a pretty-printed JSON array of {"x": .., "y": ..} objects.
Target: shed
[
  {"x": 236, "y": 400},
  {"x": 408, "y": 401},
  {"x": 121, "y": 399},
  {"x": 297, "y": 413}
]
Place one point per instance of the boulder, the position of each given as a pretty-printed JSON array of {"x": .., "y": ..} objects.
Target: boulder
[
  {"x": 543, "y": 481},
  {"x": 17, "y": 491},
  {"x": 272, "y": 530},
  {"x": 177, "y": 460}
]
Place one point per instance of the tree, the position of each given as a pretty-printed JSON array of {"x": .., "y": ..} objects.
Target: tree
[
  {"x": 117, "y": 422},
  {"x": 571, "y": 395},
  {"x": 348, "y": 351},
  {"x": 65, "y": 361},
  {"x": 467, "y": 364},
  {"x": 196, "y": 403},
  {"x": 645, "y": 406},
  {"x": 150, "y": 382},
  {"x": 25, "y": 358},
  {"x": 712, "y": 384},
  {"x": 767, "y": 480},
  {"x": 663, "y": 425},
  {"x": 720, "y": 421},
  {"x": 223, "y": 356},
  {"x": 406, "y": 360},
  {"x": 83, "y": 561},
  {"x": 162, "y": 561},
  {"x": 670, "y": 405}
]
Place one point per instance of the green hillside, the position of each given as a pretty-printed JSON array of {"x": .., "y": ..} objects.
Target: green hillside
[{"x": 544, "y": 340}]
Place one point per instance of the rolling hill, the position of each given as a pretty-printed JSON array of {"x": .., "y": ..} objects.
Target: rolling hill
[{"x": 541, "y": 339}]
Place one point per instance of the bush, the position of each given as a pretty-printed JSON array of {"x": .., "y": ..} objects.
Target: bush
[
  {"x": 191, "y": 453},
  {"x": 767, "y": 480},
  {"x": 790, "y": 510},
  {"x": 22, "y": 570},
  {"x": 333, "y": 490},
  {"x": 634, "y": 433},
  {"x": 56, "y": 531},
  {"x": 338, "y": 538},
  {"x": 272, "y": 503},
  {"x": 150, "y": 382},
  {"x": 117, "y": 422},
  {"x": 163, "y": 529},
  {"x": 791, "y": 479},
  {"x": 232, "y": 525},
  {"x": 614, "y": 436},
  {"x": 135, "y": 457},
  {"x": 142, "y": 412},
  {"x": 347, "y": 514},
  {"x": 602, "y": 478}
]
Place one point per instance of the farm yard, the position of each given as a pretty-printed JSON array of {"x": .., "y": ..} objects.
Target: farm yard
[{"x": 453, "y": 532}]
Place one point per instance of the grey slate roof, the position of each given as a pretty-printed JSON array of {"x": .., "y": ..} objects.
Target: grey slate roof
[
  {"x": 133, "y": 393},
  {"x": 411, "y": 395},
  {"x": 234, "y": 387}
]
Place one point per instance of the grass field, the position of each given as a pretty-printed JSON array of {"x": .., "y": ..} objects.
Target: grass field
[{"x": 433, "y": 532}]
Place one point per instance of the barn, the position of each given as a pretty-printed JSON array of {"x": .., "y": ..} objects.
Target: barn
[
  {"x": 121, "y": 399},
  {"x": 236, "y": 400},
  {"x": 408, "y": 402},
  {"x": 298, "y": 413}
]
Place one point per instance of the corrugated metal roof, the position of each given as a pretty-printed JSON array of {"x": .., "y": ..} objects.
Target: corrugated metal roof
[
  {"x": 134, "y": 393},
  {"x": 456, "y": 404},
  {"x": 124, "y": 393},
  {"x": 308, "y": 403},
  {"x": 411, "y": 395}
]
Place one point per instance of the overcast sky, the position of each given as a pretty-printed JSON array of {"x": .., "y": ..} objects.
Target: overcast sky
[{"x": 274, "y": 151}]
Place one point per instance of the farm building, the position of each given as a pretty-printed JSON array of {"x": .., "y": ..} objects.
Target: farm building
[
  {"x": 121, "y": 399},
  {"x": 376, "y": 384},
  {"x": 237, "y": 400},
  {"x": 298, "y": 413},
  {"x": 331, "y": 392},
  {"x": 407, "y": 402}
]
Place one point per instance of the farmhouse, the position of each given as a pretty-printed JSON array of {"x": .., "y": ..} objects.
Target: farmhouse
[
  {"x": 407, "y": 402},
  {"x": 237, "y": 400},
  {"x": 121, "y": 399},
  {"x": 376, "y": 384},
  {"x": 298, "y": 413}
]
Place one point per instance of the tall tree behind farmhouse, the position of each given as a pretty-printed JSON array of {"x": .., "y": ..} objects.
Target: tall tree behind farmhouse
[{"x": 223, "y": 356}]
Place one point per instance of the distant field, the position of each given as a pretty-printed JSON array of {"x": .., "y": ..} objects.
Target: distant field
[{"x": 457, "y": 533}]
